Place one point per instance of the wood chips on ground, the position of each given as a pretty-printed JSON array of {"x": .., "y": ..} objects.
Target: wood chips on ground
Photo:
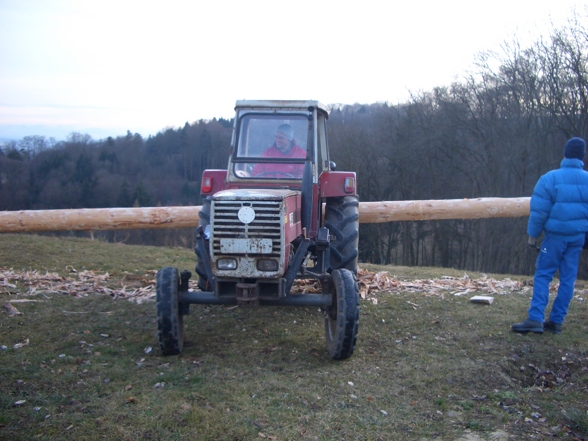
[
  {"x": 141, "y": 288},
  {"x": 79, "y": 284}
]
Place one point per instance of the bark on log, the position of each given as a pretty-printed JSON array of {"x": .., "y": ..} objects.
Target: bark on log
[{"x": 187, "y": 217}]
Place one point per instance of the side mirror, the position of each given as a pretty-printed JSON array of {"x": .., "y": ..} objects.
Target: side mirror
[{"x": 332, "y": 166}]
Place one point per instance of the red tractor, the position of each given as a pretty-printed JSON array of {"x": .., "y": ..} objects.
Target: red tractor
[{"x": 280, "y": 212}]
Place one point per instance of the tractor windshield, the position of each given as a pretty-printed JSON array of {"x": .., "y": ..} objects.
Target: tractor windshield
[{"x": 271, "y": 146}]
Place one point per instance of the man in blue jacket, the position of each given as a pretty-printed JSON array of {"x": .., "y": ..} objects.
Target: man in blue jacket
[{"x": 559, "y": 207}]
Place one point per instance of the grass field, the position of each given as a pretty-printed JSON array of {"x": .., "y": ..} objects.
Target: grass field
[{"x": 426, "y": 366}]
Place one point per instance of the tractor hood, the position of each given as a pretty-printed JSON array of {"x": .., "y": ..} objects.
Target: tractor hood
[{"x": 254, "y": 194}]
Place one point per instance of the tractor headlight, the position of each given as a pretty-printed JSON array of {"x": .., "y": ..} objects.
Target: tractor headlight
[
  {"x": 226, "y": 264},
  {"x": 267, "y": 265}
]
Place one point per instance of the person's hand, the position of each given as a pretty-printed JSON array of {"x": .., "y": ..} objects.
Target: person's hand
[{"x": 532, "y": 242}]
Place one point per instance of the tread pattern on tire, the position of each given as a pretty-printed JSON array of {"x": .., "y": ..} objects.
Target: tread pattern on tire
[
  {"x": 342, "y": 220},
  {"x": 345, "y": 320},
  {"x": 170, "y": 323}
]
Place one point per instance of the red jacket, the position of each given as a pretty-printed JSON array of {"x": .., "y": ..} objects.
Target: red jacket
[{"x": 281, "y": 169}]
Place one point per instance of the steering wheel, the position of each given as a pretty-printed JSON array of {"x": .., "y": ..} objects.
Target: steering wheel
[
  {"x": 242, "y": 174},
  {"x": 275, "y": 174}
]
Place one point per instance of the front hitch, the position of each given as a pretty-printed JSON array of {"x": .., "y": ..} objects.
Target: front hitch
[{"x": 205, "y": 255}]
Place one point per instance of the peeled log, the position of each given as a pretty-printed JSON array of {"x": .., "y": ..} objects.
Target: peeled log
[
  {"x": 187, "y": 217},
  {"x": 378, "y": 212},
  {"x": 98, "y": 219}
]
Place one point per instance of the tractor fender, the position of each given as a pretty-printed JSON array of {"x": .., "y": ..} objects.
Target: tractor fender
[
  {"x": 213, "y": 181},
  {"x": 337, "y": 183}
]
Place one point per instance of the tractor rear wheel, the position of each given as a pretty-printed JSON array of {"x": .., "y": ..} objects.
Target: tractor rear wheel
[
  {"x": 342, "y": 220},
  {"x": 342, "y": 319},
  {"x": 170, "y": 323},
  {"x": 200, "y": 270}
]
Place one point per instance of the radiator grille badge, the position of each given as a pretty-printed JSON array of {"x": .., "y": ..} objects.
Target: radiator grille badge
[{"x": 246, "y": 215}]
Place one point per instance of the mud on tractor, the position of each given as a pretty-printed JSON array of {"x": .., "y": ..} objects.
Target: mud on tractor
[{"x": 280, "y": 212}]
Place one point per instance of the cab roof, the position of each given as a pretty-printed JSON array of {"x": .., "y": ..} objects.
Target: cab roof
[{"x": 280, "y": 104}]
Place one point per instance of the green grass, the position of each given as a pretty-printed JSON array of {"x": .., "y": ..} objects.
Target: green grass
[
  {"x": 54, "y": 254},
  {"x": 444, "y": 369}
]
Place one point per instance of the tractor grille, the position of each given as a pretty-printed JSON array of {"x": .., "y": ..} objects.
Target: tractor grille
[{"x": 266, "y": 225}]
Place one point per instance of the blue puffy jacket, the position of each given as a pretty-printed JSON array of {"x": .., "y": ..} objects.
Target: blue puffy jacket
[{"x": 559, "y": 204}]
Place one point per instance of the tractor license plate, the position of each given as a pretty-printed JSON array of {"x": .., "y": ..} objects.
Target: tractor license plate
[{"x": 246, "y": 246}]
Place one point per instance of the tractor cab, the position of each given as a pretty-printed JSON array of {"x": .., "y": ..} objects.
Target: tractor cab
[{"x": 271, "y": 146}]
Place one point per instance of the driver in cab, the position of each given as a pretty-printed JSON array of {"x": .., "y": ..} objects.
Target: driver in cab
[{"x": 284, "y": 146}]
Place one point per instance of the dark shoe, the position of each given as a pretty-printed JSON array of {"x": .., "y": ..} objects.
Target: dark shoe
[
  {"x": 552, "y": 327},
  {"x": 528, "y": 326}
]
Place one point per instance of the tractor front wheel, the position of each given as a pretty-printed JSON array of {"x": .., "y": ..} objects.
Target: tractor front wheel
[
  {"x": 170, "y": 323},
  {"x": 342, "y": 319}
]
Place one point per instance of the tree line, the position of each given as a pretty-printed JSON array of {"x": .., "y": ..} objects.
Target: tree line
[
  {"x": 164, "y": 170},
  {"x": 492, "y": 133}
]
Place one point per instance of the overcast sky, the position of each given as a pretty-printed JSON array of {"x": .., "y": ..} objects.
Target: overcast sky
[{"x": 108, "y": 66}]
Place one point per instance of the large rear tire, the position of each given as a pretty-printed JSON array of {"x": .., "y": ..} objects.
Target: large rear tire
[
  {"x": 342, "y": 319},
  {"x": 342, "y": 220},
  {"x": 170, "y": 323},
  {"x": 204, "y": 215}
]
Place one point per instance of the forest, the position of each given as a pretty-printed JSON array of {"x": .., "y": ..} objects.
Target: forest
[{"x": 491, "y": 133}]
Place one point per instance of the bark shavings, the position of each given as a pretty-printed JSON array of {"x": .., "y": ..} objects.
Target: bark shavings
[{"x": 141, "y": 288}]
